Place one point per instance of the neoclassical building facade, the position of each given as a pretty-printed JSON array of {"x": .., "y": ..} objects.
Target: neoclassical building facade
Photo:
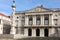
[{"x": 36, "y": 22}]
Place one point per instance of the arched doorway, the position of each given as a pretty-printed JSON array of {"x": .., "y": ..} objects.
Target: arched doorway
[
  {"x": 29, "y": 32},
  {"x": 37, "y": 32},
  {"x": 46, "y": 32}
]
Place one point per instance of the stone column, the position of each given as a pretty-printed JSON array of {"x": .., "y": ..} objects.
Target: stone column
[
  {"x": 26, "y": 20},
  {"x": 34, "y": 20},
  {"x": 50, "y": 20},
  {"x": 33, "y": 32},
  {"x": 41, "y": 32},
  {"x": 42, "y": 20}
]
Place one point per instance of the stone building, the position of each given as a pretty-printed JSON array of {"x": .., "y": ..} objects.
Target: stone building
[
  {"x": 38, "y": 21},
  {"x": 5, "y": 24}
]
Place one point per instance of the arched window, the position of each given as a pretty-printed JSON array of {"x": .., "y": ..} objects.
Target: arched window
[
  {"x": 29, "y": 32},
  {"x": 46, "y": 32},
  {"x": 37, "y": 32}
]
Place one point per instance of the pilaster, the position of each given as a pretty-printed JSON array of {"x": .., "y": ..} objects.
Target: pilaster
[
  {"x": 41, "y": 32},
  {"x": 26, "y": 20},
  {"x": 33, "y": 32},
  {"x": 50, "y": 20},
  {"x": 42, "y": 20},
  {"x": 34, "y": 20}
]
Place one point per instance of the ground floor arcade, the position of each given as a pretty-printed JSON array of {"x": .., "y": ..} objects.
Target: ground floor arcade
[{"x": 41, "y": 32}]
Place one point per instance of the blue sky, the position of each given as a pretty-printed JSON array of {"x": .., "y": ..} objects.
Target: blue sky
[{"x": 21, "y": 5}]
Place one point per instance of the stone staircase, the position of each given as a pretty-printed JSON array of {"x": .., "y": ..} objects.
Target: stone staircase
[
  {"x": 41, "y": 38},
  {"x": 11, "y": 37}
]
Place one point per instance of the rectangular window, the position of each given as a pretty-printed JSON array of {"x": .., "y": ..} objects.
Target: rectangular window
[
  {"x": 38, "y": 21},
  {"x": 46, "y": 19},
  {"x": 23, "y": 17},
  {"x": 56, "y": 21},
  {"x": 17, "y": 23},
  {"x": 46, "y": 22},
  {"x": 22, "y": 23},
  {"x": 30, "y": 20},
  {"x": 16, "y": 30},
  {"x": 22, "y": 30}
]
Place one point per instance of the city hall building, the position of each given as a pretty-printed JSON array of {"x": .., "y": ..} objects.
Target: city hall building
[{"x": 36, "y": 22}]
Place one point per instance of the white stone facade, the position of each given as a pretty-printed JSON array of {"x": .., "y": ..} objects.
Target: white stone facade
[{"x": 38, "y": 21}]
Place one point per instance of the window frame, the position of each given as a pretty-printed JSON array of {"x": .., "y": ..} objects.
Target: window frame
[{"x": 38, "y": 18}]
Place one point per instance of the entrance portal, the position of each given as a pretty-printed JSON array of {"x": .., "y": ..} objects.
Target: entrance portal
[
  {"x": 29, "y": 32},
  {"x": 37, "y": 32},
  {"x": 46, "y": 32}
]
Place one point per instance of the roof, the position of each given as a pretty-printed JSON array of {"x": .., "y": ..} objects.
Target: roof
[
  {"x": 2, "y": 14},
  {"x": 42, "y": 9}
]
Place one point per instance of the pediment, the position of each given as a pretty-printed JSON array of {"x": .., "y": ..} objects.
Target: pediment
[{"x": 38, "y": 9}]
